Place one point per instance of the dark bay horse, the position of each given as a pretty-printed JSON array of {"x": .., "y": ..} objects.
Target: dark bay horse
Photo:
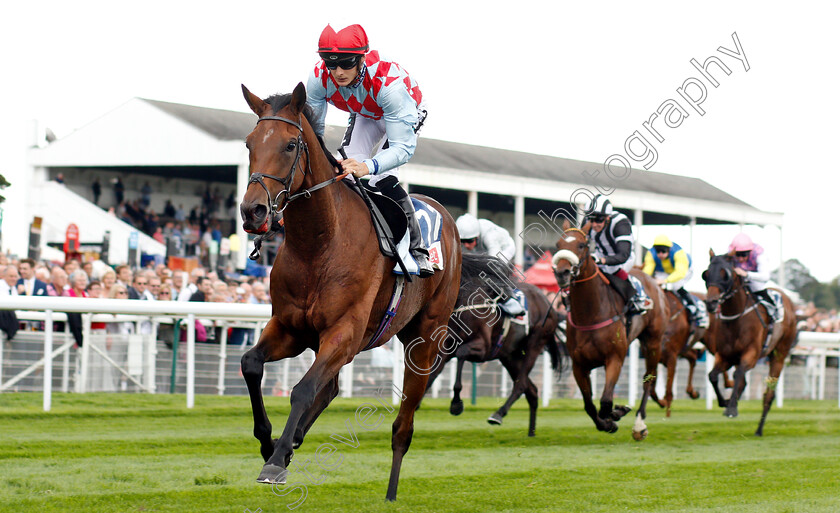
[
  {"x": 330, "y": 285},
  {"x": 595, "y": 329},
  {"x": 740, "y": 330},
  {"x": 478, "y": 324},
  {"x": 676, "y": 343}
]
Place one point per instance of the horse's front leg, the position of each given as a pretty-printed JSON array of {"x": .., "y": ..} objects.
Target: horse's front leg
[
  {"x": 585, "y": 385},
  {"x": 652, "y": 357},
  {"x": 474, "y": 348},
  {"x": 274, "y": 344},
  {"x": 740, "y": 379},
  {"x": 322, "y": 400},
  {"x": 519, "y": 371},
  {"x": 714, "y": 378},
  {"x": 337, "y": 347}
]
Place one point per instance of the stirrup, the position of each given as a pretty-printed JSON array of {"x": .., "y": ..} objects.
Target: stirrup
[{"x": 424, "y": 267}]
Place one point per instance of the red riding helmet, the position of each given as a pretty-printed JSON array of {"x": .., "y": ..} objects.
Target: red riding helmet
[{"x": 352, "y": 40}]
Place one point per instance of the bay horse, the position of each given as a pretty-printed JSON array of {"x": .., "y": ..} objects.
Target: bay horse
[
  {"x": 330, "y": 285},
  {"x": 676, "y": 343},
  {"x": 596, "y": 334},
  {"x": 740, "y": 333},
  {"x": 479, "y": 327}
]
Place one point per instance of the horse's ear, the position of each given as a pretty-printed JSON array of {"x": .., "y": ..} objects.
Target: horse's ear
[
  {"x": 254, "y": 101},
  {"x": 711, "y": 253},
  {"x": 298, "y": 98},
  {"x": 566, "y": 224},
  {"x": 585, "y": 228}
]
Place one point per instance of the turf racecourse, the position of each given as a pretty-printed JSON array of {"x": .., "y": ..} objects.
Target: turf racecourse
[{"x": 120, "y": 452}]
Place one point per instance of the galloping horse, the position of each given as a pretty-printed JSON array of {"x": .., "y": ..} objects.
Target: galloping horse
[
  {"x": 478, "y": 323},
  {"x": 330, "y": 285},
  {"x": 740, "y": 333},
  {"x": 595, "y": 329},
  {"x": 676, "y": 344}
]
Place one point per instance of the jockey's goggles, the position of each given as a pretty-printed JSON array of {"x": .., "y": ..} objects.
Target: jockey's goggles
[
  {"x": 333, "y": 61},
  {"x": 469, "y": 241},
  {"x": 662, "y": 249},
  {"x": 742, "y": 254},
  {"x": 597, "y": 219}
]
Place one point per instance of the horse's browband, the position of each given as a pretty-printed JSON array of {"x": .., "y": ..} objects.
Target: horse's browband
[{"x": 278, "y": 118}]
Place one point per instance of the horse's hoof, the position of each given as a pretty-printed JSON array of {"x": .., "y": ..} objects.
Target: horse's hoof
[
  {"x": 620, "y": 411},
  {"x": 273, "y": 474},
  {"x": 456, "y": 408},
  {"x": 640, "y": 435},
  {"x": 730, "y": 413},
  {"x": 694, "y": 394},
  {"x": 611, "y": 427},
  {"x": 495, "y": 419},
  {"x": 531, "y": 433}
]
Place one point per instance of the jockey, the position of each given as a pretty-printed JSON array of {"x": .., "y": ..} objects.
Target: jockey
[
  {"x": 670, "y": 265},
  {"x": 612, "y": 233},
  {"x": 485, "y": 236},
  {"x": 386, "y": 111},
  {"x": 751, "y": 264}
]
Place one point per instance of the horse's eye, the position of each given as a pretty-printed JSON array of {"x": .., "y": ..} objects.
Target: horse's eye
[
  {"x": 291, "y": 146},
  {"x": 582, "y": 246}
]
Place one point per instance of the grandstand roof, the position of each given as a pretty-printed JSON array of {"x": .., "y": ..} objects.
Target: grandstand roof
[{"x": 228, "y": 125}]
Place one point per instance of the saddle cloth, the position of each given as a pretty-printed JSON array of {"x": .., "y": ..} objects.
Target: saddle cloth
[
  {"x": 430, "y": 221},
  {"x": 777, "y": 310}
]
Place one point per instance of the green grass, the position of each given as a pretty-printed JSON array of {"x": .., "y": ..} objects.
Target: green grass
[{"x": 120, "y": 452}]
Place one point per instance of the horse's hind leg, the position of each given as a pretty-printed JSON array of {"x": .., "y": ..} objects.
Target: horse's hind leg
[
  {"x": 322, "y": 400},
  {"x": 421, "y": 356},
  {"x": 691, "y": 356},
  {"x": 272, "y": 346},
  {"x": 671, "y": 365},
  {"x": 777, "y": 362}
]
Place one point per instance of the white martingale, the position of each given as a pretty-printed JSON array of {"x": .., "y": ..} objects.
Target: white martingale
[{"x": 565, "y": 254}]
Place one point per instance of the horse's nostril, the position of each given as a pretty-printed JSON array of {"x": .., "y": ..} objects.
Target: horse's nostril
[{"x": 260, "y": 211}]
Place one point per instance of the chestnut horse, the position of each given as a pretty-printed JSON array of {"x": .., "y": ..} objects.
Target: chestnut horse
[
  {"x": 595, "y": 329},
  {"x": 478, "y": 324},
  {"x": 330, "y": 285},
  {"x": 740, "y": 333},
  {"x": 676, "y": 344}
]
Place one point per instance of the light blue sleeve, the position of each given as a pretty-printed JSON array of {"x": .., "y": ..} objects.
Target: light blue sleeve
[
  {"x": 316, "y": 98},
  {"x": 400, "y": 115}
]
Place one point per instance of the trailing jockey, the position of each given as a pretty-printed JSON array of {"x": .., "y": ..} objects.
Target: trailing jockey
[
  {"x": 386, "y": 112},
  {"x": 483, "y": 236},
  {"x": 612, "y": 233},
  {"x": 671, "y": 266}
]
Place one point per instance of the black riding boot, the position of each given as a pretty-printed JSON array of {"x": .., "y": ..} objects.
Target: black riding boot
[
  {"x": 390, "y": 187},
  {"x": 689, "y": 303}
]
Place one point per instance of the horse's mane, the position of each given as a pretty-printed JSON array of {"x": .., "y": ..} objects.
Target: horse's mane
[
  {"x": 484, "y": 272},
  {"x": 278, "y": 101}
]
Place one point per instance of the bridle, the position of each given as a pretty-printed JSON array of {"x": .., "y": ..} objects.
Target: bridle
[
  {"x": 731, "y": 289},
  {"x": 274, "y": 205},
  {"x": 571, "y": 257}
]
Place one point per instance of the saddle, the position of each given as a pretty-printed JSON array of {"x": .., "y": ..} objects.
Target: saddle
[{"x": 388, "y": 219}]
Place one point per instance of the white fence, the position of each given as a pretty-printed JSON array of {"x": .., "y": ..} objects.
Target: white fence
[{"x": 137, "y": 354}]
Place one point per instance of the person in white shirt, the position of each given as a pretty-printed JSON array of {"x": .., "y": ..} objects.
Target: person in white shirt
[{"x": 8, "y": 286}]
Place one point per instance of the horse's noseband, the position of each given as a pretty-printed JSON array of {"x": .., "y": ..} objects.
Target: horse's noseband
[{"x": 287, "y": 181}]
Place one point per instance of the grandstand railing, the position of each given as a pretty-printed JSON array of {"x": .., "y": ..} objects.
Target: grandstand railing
[{"x": 133, "y": 359}]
